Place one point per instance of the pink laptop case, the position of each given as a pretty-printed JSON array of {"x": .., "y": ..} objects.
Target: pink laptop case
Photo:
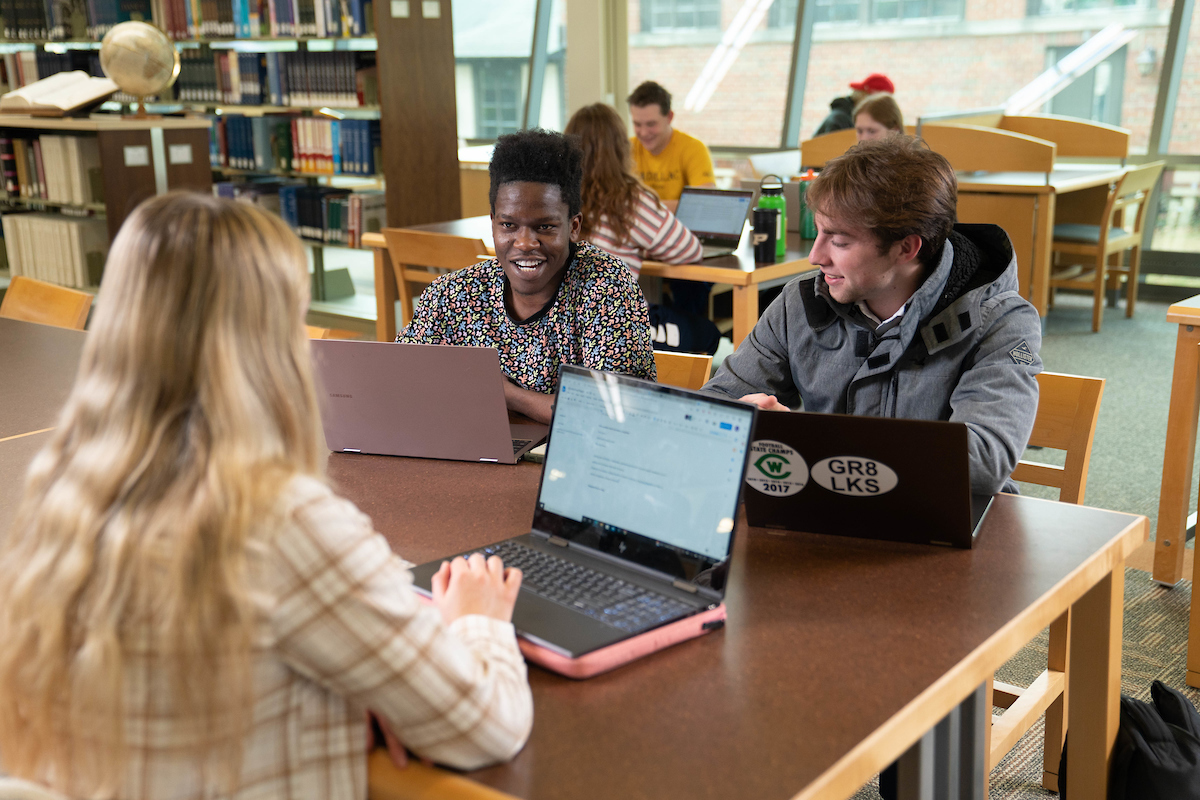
[{"x": 616, "y": 655}]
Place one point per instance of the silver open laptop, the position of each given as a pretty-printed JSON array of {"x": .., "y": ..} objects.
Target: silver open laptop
[
  {"x": 634, "y": 523},
  {"x": 716, "y": 216},
  {"x": 421, "y": 400}
]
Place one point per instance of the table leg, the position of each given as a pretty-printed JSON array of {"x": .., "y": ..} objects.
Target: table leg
[
  {"x": 1058, "y": 660},
  {"x": 950, "y": 761},
  {"x": 385, "y": 297},
  {"x": 745, "y": 311},
  {"x": 1093, "y": 713},
  {"x": 1170, "y": 541},
  {"x": 1043, "y": 241}
]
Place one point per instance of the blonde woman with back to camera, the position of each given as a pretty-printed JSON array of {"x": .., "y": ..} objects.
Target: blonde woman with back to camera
[
  {"x": 187, "y": 610},
  {"x": 877, "y": 116}
]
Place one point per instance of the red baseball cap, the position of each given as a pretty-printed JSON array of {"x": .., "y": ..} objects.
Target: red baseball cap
[{"x": 875, "y": 83}]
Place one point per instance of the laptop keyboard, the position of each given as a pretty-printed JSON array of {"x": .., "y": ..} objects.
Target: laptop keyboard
[
  {"x": 519, "y": 443},
  {"x": 617, "y": 603}
]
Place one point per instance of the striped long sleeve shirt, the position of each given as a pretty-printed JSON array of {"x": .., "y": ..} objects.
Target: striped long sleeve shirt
[{"x": 654, "y": 234}]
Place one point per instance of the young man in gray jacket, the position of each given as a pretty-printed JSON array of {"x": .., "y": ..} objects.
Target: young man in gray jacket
[{"x": 911, "y": 315}]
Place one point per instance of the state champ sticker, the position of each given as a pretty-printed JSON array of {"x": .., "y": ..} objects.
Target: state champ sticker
[{"x": 776, "y": 469}]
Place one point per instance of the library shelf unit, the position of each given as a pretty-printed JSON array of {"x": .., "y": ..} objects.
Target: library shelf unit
[{"x": 137, "y": 158}]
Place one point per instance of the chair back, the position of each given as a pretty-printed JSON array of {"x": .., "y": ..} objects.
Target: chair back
[
  {"x": 420, "y": 257},
  {"x": 32, "y": 300},
  {"x": 1135, "y": 189},
  {"x": 1068, "y": 406},
  {"x": 17, "y": 789},
  {"x": 685, "y": 370}
]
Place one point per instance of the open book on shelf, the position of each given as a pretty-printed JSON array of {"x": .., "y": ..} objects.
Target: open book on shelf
[{"x": 57, "y": 95}]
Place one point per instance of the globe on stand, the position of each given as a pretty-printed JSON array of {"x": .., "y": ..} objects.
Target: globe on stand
[{"x": 140, "y": 59}]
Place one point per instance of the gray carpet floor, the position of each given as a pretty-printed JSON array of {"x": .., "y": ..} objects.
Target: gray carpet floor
[{"x": 1135, "y": 356}]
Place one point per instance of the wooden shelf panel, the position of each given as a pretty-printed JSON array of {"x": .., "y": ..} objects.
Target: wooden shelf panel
[
  {"x": 31, "y": 202},
  {"x": 101, "y": 122}
]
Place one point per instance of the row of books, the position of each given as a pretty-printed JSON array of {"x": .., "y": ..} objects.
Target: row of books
[
  {"x": 61, "y": 169},
  {"x": 301, "y": 79},
  {"x": 59, "y": 248},
  {"x": 323, "y": 214},
  {"x": 277, "y": 142},
  {"x": 188, "y": 19},
  {"x": 332, "y": 216}
]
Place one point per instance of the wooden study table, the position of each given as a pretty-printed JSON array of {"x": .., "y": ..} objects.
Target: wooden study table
[
  {"x": 738, "y": 270},
  {"x": 838, "y": 657},
  {"x": 839, "y": 654},
  {"x": 1026, "y": 205},
  {"x": 37, "y": 369}
]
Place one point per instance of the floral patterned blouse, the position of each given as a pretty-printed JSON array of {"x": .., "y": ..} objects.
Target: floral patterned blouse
[{"x": 597, "y": 319}]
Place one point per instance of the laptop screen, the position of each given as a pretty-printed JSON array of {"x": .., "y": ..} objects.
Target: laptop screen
[
  {"x": 714, "y": 212},
  {"x": 644, "y": 472}
]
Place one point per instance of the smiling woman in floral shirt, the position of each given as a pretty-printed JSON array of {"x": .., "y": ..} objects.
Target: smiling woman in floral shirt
[{"x": 545, "y": 300}]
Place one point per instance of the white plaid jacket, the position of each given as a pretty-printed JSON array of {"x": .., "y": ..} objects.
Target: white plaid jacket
[{"x": 341, "y": 632}]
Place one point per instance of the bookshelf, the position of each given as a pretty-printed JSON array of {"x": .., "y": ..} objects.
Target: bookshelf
[
  {"x": 130, "y": 161},
  {"x": 414, "y": 101}
]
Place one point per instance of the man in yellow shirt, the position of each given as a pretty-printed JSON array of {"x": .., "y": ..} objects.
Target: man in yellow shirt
[{"x": 666, "y": 159}]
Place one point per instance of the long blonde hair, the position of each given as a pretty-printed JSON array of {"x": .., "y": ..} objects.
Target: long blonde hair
[{"x": 193, "y": 405}]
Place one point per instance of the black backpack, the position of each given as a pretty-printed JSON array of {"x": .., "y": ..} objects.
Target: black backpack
[{"x": 1157, "y": 752}]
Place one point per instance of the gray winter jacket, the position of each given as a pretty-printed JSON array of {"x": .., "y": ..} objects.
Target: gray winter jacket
[{"x": 965, "y": 350}]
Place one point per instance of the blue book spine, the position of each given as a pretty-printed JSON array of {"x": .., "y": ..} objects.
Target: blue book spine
[
  {"x": 335, "y": 144},
  {"x": 273, "y": 79}
]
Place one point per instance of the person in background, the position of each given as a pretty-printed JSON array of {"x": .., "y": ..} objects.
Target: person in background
[
  {"x": 841, "y": 110},
  {"x": 545, "y": 299},
  {"x": 877, "y": 116},
  {"x": 665, "y": 159},
  {"x": 188, "y": 610},
  {"x": 621, "y": 216}
]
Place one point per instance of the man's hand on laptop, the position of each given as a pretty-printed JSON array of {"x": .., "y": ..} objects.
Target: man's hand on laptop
[
  {"x": 471, "y": 585},
  {"x": 767, "y": 402}
]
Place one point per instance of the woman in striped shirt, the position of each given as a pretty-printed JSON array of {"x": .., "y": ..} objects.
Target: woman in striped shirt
[{"x": 625, "y": 218}]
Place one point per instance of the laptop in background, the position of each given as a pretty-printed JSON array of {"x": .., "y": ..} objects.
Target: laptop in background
[
  {"x": 420, "y": 400},
  {"x": 716, "y": 216},
  {"x": 633, "y": 528},
  {"x": 872, "y": 477}
]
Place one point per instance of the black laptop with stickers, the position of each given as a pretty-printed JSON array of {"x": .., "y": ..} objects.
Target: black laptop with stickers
[{"x": 873, "y": 477}]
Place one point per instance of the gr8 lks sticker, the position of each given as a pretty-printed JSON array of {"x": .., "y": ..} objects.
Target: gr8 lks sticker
[{"x": 776, "y": 469}]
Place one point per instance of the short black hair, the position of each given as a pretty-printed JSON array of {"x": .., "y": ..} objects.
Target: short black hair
[
  {"x": 538, "y": 156},
  {"x": 650, "y": 93}
]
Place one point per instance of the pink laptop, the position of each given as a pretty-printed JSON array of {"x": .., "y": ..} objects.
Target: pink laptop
[{"x": 633, "y": 529}]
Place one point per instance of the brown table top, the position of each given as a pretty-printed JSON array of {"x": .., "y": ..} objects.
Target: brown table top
[
  {"x": 738, "y": 269},
  {"x": 837, "y": 655},
  {"x": 1185, "y": 312},
  {"x": 37, "y": 370}
]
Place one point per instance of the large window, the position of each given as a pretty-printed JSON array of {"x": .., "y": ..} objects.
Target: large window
[
  {"x": 673, "y": 15},
  {"x": 498, "y": 100}
]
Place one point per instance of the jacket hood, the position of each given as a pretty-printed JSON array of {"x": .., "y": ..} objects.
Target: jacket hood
[{"x": 843, "y": 104}]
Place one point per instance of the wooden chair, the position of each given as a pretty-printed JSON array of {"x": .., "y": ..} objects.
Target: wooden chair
[
  {"x": 816, "y": 151},
  {"x": 420, "y": 782},
  {"x": 1119, "y": 229},
  {"x": 317, "y": 333},
  {"x": 37, "y": 301},
  {"x": 685, "y": 370},
  {"x": 1068, "y": 406},
  {"x": 419, "y": 258}
]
